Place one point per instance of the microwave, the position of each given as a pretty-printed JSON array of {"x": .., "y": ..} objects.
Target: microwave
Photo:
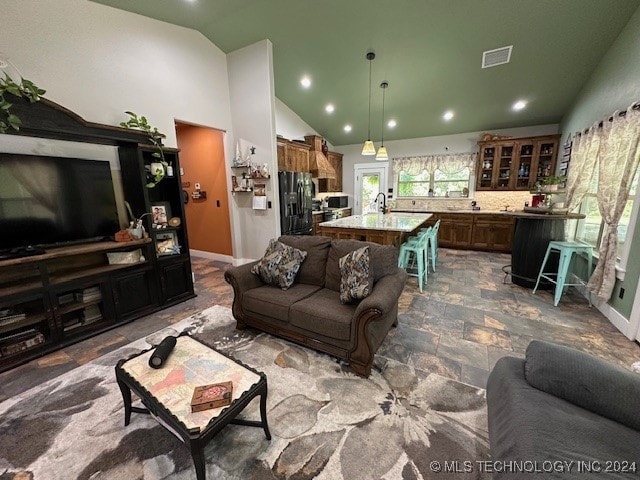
[{"x": 339, "y": 201}]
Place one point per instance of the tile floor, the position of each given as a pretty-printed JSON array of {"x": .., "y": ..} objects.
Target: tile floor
[{"x": 463, "y": 322}]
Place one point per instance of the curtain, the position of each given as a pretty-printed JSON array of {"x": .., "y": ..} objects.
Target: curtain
[
  {"x": 448, "y": 163},
  {"x": 584, "y": 153},
  {"x": 617, "y": 163}
]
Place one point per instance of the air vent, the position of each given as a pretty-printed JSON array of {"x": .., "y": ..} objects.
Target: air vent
[{"x": 499, "y": 56}]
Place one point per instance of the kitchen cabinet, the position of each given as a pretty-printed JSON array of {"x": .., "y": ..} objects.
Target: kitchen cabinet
[
  {"x": 474, "y": 231},
  {"x": 318, "y": 218},
  {"x": 492, "y": 233},
  {"x": 515, "y": 163},
  {"x": 292, "y": 156},
  {"x": 455, "y": 230}
]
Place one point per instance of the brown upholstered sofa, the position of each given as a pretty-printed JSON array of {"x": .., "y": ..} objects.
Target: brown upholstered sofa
[{"x": 310, "y": 312}]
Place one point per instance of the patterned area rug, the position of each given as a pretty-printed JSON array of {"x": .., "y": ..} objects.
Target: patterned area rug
[{"x": 326, "y": 422}]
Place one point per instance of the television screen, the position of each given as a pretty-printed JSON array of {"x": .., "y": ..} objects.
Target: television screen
[{"x": 47, "y": 201}]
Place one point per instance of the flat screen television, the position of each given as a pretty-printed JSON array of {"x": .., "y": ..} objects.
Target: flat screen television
[{"x": 50, "y": 201}]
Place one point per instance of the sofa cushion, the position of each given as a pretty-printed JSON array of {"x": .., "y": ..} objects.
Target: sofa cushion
[
  {"x": 384, "y": 260},
  {"x": 312, "y": 270},
  {"x": 272, "y": 302},
  {"x": 528, "y": 424},
  {"x": 584, "y": 380},
  {"x": 279, "y": 265},
  {"x": 356, "y": 281},
  {"x": 322, "y": 313}
]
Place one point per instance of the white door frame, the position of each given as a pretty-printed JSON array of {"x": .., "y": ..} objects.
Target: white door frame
[{"x": 359, "y": 169}]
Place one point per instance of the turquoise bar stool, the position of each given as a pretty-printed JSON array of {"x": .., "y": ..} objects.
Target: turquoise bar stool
[
  {"x": 566, "y": 251},
  {"x": 433, "y": 244},
  {"x": 414, "y": 250}
]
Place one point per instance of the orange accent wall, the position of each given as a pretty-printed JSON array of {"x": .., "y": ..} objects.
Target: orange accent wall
[{"x": 202, "y": 159}]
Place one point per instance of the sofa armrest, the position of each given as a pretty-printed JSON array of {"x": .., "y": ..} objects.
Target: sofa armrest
[
  {"x": 241, "y": 279},
  {"x": 584, "y": 380},
  {"x": 384, "y": 296},
  {"x": 372, "y": 319}
]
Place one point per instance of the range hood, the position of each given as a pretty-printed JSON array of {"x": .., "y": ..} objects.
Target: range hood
[{"x": 319, "y": 165}]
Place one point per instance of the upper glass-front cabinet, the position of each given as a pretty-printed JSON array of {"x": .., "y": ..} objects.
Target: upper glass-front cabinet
[{"x": 515, "y": 163}]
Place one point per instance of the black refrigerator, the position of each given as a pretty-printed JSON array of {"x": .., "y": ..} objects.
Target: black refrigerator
[{"x": 295, "y": 203}]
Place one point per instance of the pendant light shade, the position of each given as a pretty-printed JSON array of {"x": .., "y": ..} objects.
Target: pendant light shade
[
  {"x": 382, "y": 151},
  {"x": 369, "y": 148}
]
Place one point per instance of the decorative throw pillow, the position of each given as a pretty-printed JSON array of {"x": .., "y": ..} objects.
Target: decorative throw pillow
[
  {"x": 279, "y": 265},
  {"x": 356, "y": 275}
]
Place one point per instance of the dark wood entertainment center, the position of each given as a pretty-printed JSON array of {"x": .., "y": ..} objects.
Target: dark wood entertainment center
[{"x": 70, "y": 293}]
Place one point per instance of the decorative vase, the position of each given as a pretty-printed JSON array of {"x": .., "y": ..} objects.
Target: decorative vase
[{"x": 157, "y": 168}]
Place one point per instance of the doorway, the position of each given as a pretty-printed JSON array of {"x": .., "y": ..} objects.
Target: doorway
[
  {"x": 202, "y": 162},
  {"x": 370, "y": 180}
]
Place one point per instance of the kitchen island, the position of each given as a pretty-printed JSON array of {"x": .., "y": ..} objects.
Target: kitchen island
[{"x": 385, "y": 229}]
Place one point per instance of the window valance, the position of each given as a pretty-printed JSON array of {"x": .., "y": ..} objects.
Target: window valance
[{"x": 448, "y": 163}]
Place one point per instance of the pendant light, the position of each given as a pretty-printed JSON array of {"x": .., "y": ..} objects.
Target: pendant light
[
  {"x": 369, "y": 148},
  {"x": 382, "y": 151}
]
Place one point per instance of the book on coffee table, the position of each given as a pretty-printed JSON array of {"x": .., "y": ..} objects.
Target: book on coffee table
[{"x": 215, "y": 395}]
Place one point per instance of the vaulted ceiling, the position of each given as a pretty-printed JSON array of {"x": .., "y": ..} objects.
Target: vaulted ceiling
[{"x": 429, "y": 51}]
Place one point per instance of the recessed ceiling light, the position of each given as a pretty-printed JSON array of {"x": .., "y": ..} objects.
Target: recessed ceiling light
[
  {"x": 519, "y": 105},
  {"x": 391, "y": 123},
  {"x": 329, "y": 108},
  {"x": 448, "y": 115},
  {"x": 305, "y": 82},
  {"x": 347, "y": 128}
]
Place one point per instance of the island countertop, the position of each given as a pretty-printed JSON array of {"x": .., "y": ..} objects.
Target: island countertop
[
  {"x": 385, "y": 229},
  {"x": 393, "y": 222}
]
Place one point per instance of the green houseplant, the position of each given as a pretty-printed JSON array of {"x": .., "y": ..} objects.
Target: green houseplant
[
  {"x": 552, "y": 182},
  {"x": 155, "y": 137},
  {"x": 25, "y": 89}
]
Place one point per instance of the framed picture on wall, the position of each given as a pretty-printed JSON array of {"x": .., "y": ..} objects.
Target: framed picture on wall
[{"x": 160, "y": 214}]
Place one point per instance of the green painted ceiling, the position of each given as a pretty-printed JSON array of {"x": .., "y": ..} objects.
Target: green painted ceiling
[{"x": 428, "y": 50}]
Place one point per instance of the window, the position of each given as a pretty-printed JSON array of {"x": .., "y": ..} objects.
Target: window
[
  {"x": 441, "y": 183},
  {"x": 414, "y": 185},
  {"x": 591, "y": 228},
  {"x": 451, "y": 182}
]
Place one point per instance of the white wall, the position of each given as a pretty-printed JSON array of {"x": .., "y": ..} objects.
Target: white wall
[
  {"x": 289, "y": 124},
  {"x": 252, "y": 98},
  {"x": 99, "y": 61},
  {"x": 458, "y": 143}
]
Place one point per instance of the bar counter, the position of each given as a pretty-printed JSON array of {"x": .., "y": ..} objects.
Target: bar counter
[{"x": 531, "y": 237}]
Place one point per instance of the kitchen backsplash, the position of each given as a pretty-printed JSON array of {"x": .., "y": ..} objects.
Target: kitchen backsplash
[{"x": 485, "y": 200}]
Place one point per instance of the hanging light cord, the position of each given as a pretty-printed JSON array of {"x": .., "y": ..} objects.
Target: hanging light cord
[
  {"x": 369, "y": 131},
  {"x": 384, "y": 86}
]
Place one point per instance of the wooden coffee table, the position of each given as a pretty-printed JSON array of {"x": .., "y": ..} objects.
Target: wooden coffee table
[{"x": 166, "y": 393}]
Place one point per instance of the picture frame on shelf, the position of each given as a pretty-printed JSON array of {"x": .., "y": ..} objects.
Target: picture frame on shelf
[
  {"x": 160, "y": 214},
  {"x": 167, "y": 243}
]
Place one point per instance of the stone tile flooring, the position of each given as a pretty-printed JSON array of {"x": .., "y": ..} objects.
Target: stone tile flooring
[{"x": 463, "y": 322}]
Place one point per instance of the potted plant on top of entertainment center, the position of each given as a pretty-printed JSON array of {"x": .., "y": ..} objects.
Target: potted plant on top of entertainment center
[
  {"x": 26, "y": 89},
  {"x": 155, "y": 137}
]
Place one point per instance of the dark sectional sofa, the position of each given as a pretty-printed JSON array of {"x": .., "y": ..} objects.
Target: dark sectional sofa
[
  {"x": 310, "y": 312},
  {"x": 571, "y": 410}
]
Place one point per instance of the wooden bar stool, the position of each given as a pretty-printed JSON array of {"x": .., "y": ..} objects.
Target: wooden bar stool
[{"x": 566, "y": 251}]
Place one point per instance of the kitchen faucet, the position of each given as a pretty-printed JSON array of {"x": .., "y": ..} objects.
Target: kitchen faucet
[{"x": 384, "y": 202}]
